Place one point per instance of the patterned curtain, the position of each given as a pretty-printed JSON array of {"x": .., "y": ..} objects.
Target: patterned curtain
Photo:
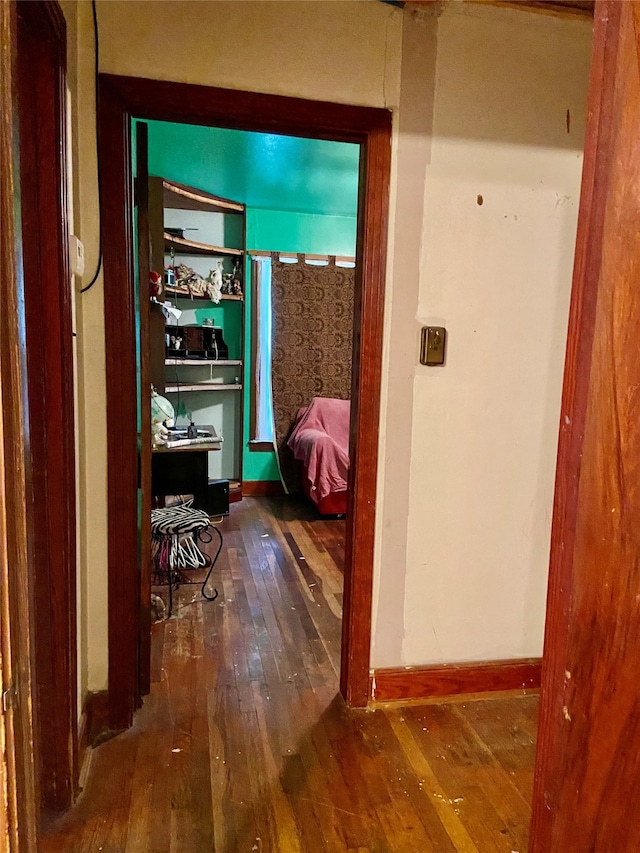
[{"x": 312, "y": 339}]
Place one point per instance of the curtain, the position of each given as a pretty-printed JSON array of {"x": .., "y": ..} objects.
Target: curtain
[
  {"x": 261, "y": 275},
  {"x": 311, "y": 346}
]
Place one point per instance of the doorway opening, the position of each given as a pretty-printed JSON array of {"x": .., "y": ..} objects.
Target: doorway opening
[
  {"x": 122, "y": 99},
  {"x": 251, "y": 245}
]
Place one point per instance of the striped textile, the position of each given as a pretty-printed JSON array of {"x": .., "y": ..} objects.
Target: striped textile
[{"x": 177, "y": 520}]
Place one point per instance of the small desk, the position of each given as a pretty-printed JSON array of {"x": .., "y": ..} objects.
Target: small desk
[{"x": 182, "y": 471}]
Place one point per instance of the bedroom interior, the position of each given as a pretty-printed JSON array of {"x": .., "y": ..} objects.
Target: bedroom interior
[{"x": 252, "y": 262}]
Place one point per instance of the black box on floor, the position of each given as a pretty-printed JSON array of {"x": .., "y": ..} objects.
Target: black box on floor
[{"x": 218, "y": 497}]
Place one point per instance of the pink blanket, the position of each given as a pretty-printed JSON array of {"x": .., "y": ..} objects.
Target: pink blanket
[{"x": 320, "y": 439}]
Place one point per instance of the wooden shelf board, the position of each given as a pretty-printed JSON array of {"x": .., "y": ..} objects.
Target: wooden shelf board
[
  {"x": 181, "y": 246},
  {"x": 202, "y": 386},
  {"x": 184, "y": 293},
  {"x": 189, "y": 448},
  {"x": 212, "y": 361},
  {"x": 180, "y": 197}
]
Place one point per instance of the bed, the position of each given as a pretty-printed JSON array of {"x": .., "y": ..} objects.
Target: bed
[{"x": 319, "y": 440}]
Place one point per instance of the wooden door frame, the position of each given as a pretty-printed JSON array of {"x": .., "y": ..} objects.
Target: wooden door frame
[
  {"x": 16, "y": 561},
  {"x": 591, "y": 605},
  {"x": 124, "y": 98},
  {"x": 42, "y": 106},
  {"x": 144, "y": 268}
]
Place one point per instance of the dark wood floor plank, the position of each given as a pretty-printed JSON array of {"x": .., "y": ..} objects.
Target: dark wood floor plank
[
  {"x": 244, "y": 743},
  {"x": 453, "y": 749},
  {"x": 513, "y": 742}
]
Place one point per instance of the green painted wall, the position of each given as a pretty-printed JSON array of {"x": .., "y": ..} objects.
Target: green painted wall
[
  {"x": 286, "y": 231},
  {"x": 301, "y": 196},
  {"x": 261, "y": 169}
]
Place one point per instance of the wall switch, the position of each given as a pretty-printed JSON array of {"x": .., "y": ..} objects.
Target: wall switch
[
  {"x": 76, "y": 256},
  {"x": 432, "y": 345}
]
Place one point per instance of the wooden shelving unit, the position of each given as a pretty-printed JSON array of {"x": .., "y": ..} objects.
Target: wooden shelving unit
[{"x": 220, "y": 226}]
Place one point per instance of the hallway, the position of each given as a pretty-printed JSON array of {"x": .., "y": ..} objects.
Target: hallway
[{"x": 244, "y": 744}]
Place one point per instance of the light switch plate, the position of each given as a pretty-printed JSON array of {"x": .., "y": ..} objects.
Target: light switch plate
[
  {"x": 432, "y": 345},
  {"x": 76, "y": 255}
]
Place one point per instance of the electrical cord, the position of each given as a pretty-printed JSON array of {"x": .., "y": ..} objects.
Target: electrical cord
[{"x": 96, "y": 73}]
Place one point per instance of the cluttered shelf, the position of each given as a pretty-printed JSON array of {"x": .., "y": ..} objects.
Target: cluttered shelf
[
  {"x": 184, "y": 292},
  {"x": 198, "y": 275}
]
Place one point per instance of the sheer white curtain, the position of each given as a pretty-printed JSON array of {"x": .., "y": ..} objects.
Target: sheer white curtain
[{"x": 264, "y": 425}]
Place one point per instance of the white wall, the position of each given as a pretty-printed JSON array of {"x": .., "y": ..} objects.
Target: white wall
[
  {"x": 467, "y": 451},
  {"x": 498, "y": 276},
  {"x": 91, "y": 417},
  {"x": 345, "y": 50}
]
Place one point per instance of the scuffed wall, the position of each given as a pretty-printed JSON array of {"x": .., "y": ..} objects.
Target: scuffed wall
[{"x": 501, "y": 200}]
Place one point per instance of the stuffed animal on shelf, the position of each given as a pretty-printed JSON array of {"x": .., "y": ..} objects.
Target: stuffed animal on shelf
[
  {"x": 162, "y": 416},
  {"x": 215, "y": 282}
]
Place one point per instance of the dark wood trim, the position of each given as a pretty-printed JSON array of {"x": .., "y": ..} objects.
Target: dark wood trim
[
  {"x": 16, "y": 605},
  {"x": 371, "y": 254},
  {"x": 42, "y": 103},
  {"x": 235, "y": 494},
  {"x": 424, "y": 682},
  {"x": 256, "y": 446},
  {"x": 114, "y": 144},
  {"x": 120, "y": 99},
  {"x": 83, "y": 740},
  {"x": 144, "y": 269},
  {"x": 262, "y": 488},
  {"x": 591, "y": 219},
  {"x": 232, "y": 108},
  {"x": 588, "y": 254},
  {"x": 588, "y": 736},
  {"x": 94, "y": 723}
]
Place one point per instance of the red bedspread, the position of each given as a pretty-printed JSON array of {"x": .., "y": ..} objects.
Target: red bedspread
[{"x": 320, "y": 440}]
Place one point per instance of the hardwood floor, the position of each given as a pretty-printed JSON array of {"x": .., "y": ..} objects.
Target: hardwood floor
[{"x": 245, "y": 745}]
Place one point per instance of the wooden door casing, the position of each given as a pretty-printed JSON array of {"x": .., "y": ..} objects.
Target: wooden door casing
[
  {"x": 588, "y": 763},
  {"x": 41, "y": 42},
  {"x": 144, "y": 266},
  {"x": 15, "y": 582},
  {"x": 120, "y": 99}
]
